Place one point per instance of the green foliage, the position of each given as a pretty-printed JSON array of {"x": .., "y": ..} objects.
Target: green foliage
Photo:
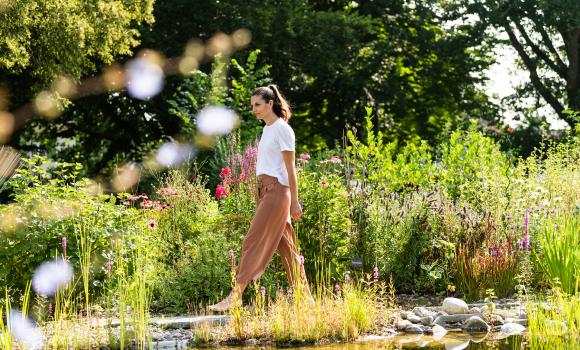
[
  {"x": 202, "y": 89},
  {"x": 324, "y": 229},
  {"x": 195, "y": 255},
  {"x": 468, "y": 160},
  {"x": 558, "y": 252},
  {"x": 50, "y": 205},
  {"x": 78, "y": 36}
]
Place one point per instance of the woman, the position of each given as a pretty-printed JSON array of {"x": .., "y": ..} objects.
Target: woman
[{"x": 271, "y": 229}]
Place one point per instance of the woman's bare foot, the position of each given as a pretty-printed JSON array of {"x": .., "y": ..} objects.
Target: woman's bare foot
[{"x": 224, "y": 305}]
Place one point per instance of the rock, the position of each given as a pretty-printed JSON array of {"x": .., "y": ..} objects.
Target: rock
[
  {"x": 414, "y": 329},
  {"x": 404, "y": 314},
  {"x": 427, "y": 320},
  {"x": 496, "y": 320},
  {"x": 484, "y": 309},
  {"x": 475, "y": 324},
  {"x": 441, "y": 313},
  {"x": 188, "y": 322},
  {"x": 475, "y": 310},
  {"x": 403, "y": 324},
  {"x": 414, "y": 318},
  {"x": 250, "y": 342},
  {"x": 512, "y": 328},
  {"x": 454, "y": 306},
  {"x": 422, "y": 312},
  {"x": 520, "y": 313},
  {"x": 444, "y": 319}
]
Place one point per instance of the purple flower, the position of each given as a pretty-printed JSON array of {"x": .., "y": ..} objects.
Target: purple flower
[
  {"x": 337, "y": 288},
  {"x": 376, "y": 273},
  {"x": 289, "y": 293},
  {"x": 262, "y": 291},
  {"x": 63, "y": 242},
  {"x": 301, "y": 258},
  {"x": 526, "y": 223}
]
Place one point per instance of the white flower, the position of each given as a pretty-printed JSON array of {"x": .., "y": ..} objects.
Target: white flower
[
  {"x": 144, "y": 78},
  {"x": 216, "y": 120},
  {"x": 51, "y": 276},
  {"x": 545, "y": 203},
  {"x": 24, "y": 330},
  {"x": 557, "y": 199},
  {"x": 171, "y": 154}
]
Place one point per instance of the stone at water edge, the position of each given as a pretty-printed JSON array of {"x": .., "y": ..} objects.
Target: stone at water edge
[
  {"x": 512, "y": 328},
  {"x": 422, "y": 312},
  {"x": 414, "y": 318},
  {"x": 475, "y": 324},
  {"x": 444, "y": 319},
  {"x": 402, "y": 324},
  {"x": 456, "y": 344},
  {"x": 496, "y": 320},
  {"x": 414, "y": 329},
  {"x": 427, "y": 320},
  {"x": 454, "y": 306},
  {"x": 475, "y": 310}
]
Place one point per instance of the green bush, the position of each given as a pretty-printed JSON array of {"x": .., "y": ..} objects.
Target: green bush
[{"x": 50, "y": 204}]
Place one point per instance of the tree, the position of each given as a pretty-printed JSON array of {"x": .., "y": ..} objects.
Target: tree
[
  {"x": 43, "y": 39},
  {"x": 546, "y": 36}
]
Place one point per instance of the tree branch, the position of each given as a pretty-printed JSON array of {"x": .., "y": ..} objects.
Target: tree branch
[
  {"x": 535, "y": 79},
  {"x": 539, "y": 52},
  {"x": 573, "y": 69},
  {"x": 549, "y": 44}
]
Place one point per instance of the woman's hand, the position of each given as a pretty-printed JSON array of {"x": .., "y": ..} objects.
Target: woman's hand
[{"x": 295, "y": 210}]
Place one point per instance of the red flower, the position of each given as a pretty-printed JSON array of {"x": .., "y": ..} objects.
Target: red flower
[
  {"x": 224, "y": 173},
  {"x": 220, "y": 192}
]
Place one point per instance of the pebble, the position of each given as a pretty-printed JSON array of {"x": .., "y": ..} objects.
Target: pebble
[
  {"x": 454, "y": 306},
  {"x": 476, "y": 325}
]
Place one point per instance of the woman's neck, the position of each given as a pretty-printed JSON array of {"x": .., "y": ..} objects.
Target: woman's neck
[{"x": 270, "y": 119}]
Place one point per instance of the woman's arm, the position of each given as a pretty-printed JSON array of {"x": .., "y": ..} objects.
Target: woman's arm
[{"x": 295, "y": 209}]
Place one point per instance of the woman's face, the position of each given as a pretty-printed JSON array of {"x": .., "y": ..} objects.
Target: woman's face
[{"x": 260, "y": 107}]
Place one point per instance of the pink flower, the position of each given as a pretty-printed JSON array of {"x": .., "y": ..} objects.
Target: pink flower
[
  {"x": 262, "y": 291},
  {"x": 337, "y": 288},
  {"x": 301, "y": 258},
  {"x": 221, "y": 192},
  {"x": 152, "y": 224},
  {"x": 376, "y": 273},
  {"x": 108, "y": 265},
  {"x": 166, "y": 191},
  {"x": 242, "y": 177},
  {"x": 335, "y": 160},
  {"x": 323, "y": 184},
  {"x": 63, "y": 243}
]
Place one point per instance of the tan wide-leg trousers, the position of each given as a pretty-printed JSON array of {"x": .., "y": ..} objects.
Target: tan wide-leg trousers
[{"x": 269, "y": 231}]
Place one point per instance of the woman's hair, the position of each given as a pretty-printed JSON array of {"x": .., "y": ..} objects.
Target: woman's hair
[{"x": 271, "y": 93}]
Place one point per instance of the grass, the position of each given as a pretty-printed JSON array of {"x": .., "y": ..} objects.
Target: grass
[
  {"x": 554, "y": 320},
  {"x": 559, "y": 254}
]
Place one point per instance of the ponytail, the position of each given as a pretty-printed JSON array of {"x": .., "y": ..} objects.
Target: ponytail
[{"x": 280, "y": 106}]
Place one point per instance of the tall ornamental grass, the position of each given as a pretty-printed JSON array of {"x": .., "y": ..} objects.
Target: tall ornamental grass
[{"x": 558, "y": 253}]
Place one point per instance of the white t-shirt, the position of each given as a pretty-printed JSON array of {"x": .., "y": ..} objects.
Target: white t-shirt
[{"x": 276, "y": 138}]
